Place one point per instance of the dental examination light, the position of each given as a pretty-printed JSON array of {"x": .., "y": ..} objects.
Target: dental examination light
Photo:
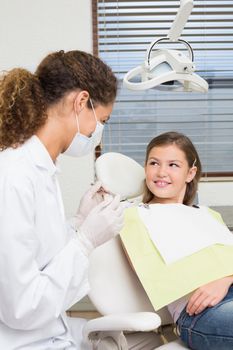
[{"x": 165, "y": 66}]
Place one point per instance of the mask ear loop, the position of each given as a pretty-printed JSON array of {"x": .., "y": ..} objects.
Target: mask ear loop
[
  {"x": 76, "y": 117},
  {"x": 93, "y": 109},
  {"x": 77, "y": 122},
  {"x": 101, "y": 144}
]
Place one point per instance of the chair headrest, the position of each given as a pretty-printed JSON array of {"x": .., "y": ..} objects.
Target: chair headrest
[{"x": 120, "y": 174}]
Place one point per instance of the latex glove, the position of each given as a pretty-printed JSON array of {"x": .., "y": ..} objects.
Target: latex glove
[
  {"x": 90, "y": 199},
  {"x": 101, "y": 224}
]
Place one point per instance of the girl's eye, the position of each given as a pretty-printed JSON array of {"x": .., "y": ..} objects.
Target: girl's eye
[
  {"x": 153, "y": 163},
  {"x": 174, "y": 165}
]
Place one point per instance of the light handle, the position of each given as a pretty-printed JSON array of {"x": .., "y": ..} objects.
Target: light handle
[{"x": 181, "y": 19}]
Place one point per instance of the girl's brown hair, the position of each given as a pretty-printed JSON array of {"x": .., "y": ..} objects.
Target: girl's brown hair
[
  {"x": 25, "y": 97},
  {"x": 185, "y": 145}
]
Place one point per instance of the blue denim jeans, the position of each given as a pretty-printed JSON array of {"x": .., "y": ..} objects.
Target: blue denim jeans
[{"x": 212, "y": 329}]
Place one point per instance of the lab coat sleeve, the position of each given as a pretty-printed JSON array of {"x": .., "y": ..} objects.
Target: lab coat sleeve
[{"x": 31, "y": 297}]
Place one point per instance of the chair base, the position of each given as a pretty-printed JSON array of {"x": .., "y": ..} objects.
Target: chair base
[
  {"x": 174, "y": 345},
  {"x": 139, "y": 341}
]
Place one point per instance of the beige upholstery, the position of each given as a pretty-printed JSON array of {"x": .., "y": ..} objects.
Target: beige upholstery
[
  {"x": 115, "y": 288},
  {"x": 111, "y": 275},
  {"x": 120, "y": 174}
]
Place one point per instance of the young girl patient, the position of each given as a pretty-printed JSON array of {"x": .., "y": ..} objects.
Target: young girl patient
[{"x": 204, "y": 317}]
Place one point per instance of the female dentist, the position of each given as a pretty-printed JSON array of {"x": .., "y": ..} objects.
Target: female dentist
[{"x": 61, "y": 108}]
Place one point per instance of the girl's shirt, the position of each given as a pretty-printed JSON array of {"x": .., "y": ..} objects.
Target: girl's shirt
[{"x": 177, "y": 307}]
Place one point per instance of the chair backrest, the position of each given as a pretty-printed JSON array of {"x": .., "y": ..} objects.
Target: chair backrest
[
  {"x": 115, "y": 287},
  {"x": 120, "y": 174}
]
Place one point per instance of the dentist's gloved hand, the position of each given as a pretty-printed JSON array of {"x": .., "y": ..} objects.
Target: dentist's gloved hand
[
  {"x": 101, "y": 224},
  {"x": 90, "y": 199}
]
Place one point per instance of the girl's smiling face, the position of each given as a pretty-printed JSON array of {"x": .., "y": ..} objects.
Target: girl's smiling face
[{"x": 167, "y": 174}]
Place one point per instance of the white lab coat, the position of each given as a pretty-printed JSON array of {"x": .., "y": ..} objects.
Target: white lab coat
[{"x": 43, "y": 270}]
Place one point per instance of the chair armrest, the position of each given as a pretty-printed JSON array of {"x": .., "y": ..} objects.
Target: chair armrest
[{"x": 132, "y": 322}]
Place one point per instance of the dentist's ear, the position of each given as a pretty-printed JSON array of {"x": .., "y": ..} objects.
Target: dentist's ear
[{"x": 80, "y": 100}]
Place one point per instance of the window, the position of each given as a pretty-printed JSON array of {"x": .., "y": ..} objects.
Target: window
[{"x": 123, "y": 30}]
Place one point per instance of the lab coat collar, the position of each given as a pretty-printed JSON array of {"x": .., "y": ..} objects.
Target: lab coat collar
[{"x": 40, "y": 156}]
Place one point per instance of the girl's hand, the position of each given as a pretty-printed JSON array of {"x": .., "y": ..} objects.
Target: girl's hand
[{"x": 208, "y": 295}]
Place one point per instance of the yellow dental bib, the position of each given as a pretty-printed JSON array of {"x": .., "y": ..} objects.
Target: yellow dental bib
[{"x": 166, "y": 283}]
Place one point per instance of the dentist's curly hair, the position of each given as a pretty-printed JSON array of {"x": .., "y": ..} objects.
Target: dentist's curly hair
[
  {"x": 25, "y": 97},
  {"x": 191, "y": 155}
]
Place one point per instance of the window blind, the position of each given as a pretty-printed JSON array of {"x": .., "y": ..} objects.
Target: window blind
[{"x": 124, "y": 29}]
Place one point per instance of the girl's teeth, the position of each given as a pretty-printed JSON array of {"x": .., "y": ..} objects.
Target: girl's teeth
[{"x": 161, "y": 183}]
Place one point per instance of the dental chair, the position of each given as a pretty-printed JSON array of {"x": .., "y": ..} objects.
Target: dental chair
[{"x": 115, "y": 290}]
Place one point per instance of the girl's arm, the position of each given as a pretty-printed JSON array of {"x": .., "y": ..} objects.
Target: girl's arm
[{"x": 208, "y": 295}]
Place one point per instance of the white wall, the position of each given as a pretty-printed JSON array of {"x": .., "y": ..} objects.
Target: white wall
[
  {"x": 216, "y": 193},
  {"x": 31, "y": 29}
]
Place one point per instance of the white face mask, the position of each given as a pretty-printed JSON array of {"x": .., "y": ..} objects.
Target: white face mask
[{"x": 82, "y": 144}]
